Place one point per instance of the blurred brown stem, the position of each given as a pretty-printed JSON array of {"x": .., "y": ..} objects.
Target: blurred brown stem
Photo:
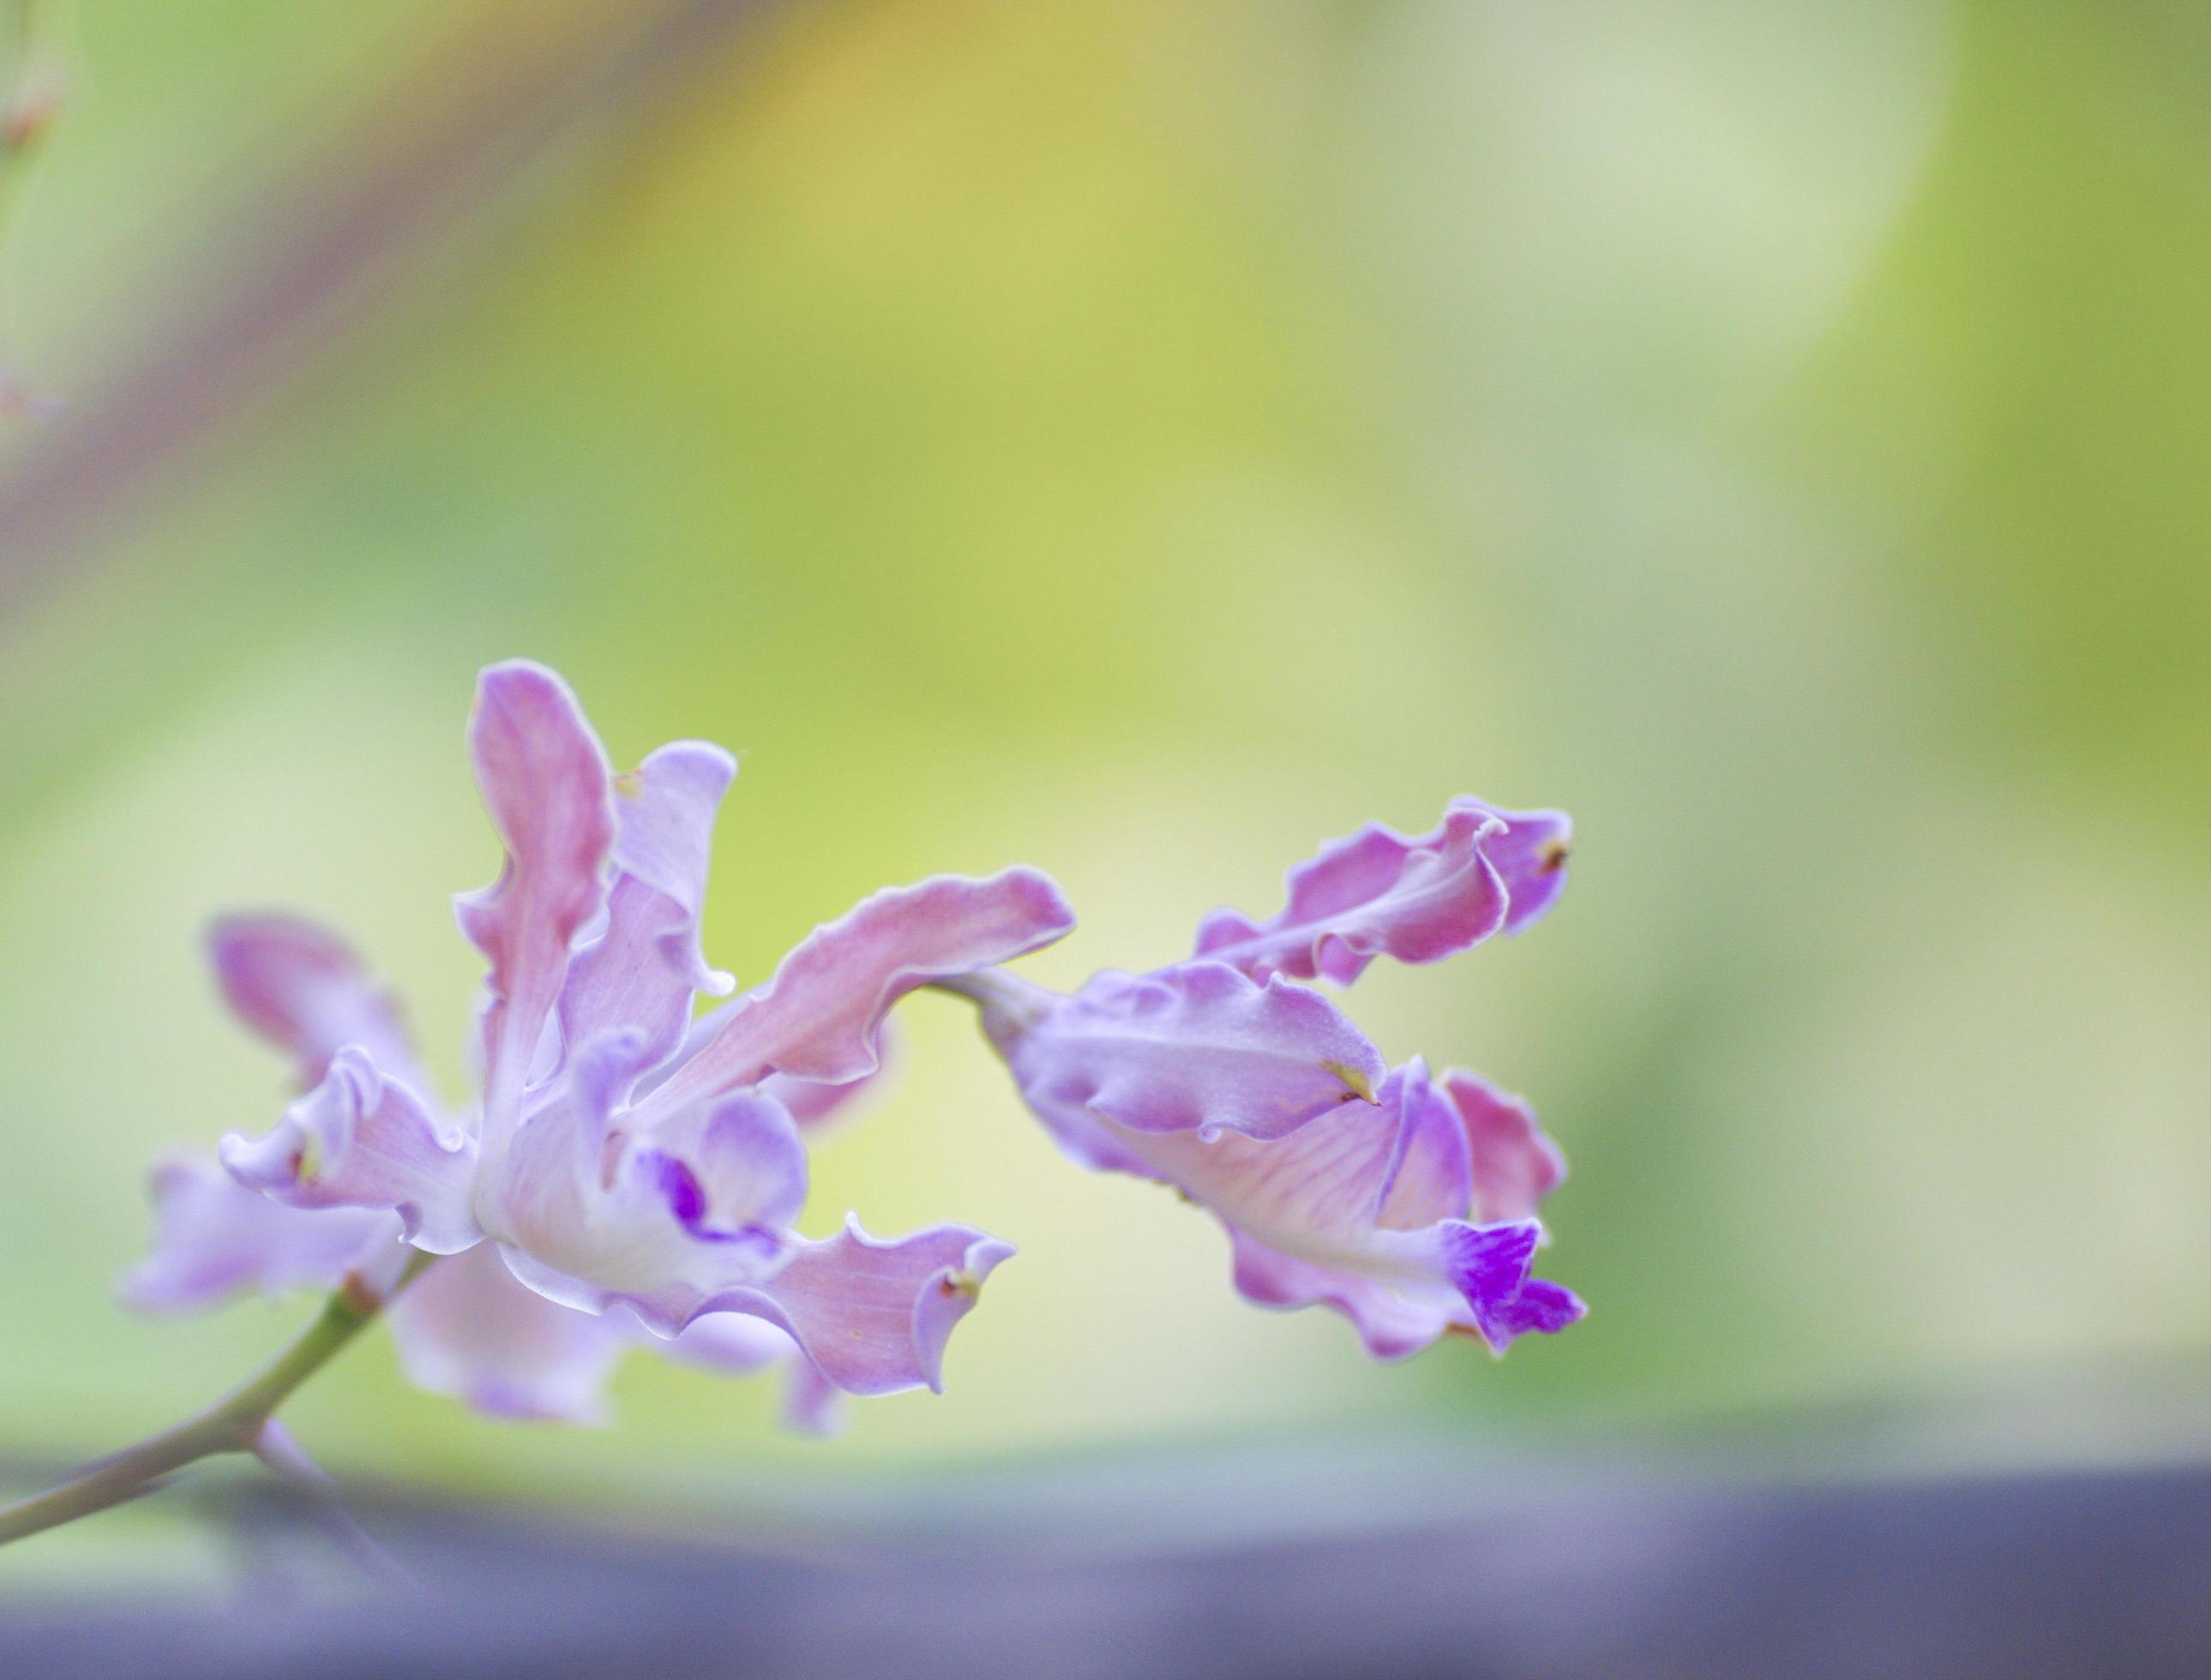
[{"x": 318, "y": 250}]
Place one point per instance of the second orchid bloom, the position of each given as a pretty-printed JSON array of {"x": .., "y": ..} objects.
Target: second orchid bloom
[{"x": 1405, "y": 1202}]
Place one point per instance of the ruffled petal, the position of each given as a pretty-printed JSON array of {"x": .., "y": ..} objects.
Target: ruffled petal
[
  {"x": 1197, "y": 1047},
  {"x": 468, "y": 1329},
  {"x": 304, "y": 990},
  {"x": 1375, "y": 893},
  {"x": 874, "y": 1317},
  {"x": 728, "y": 1344},
  {"x": 1431, "y": 1175},
  {"x": 1530, "y": 856},
  {"x": 213, "y": 1238},
  {"x": 819, "y": 1017},
  {"x": 642, "y": 972},
  {"x": 811, "y": 1103},
  {"x": 1392, "y": 1323},
  {"x": 358, "y": 1139},
  {"x": 1087, "y": 1139},
  {"x": 545, "y": 782},
  {"x": 1325, "y": 1189},
  {"x": 1515, "y": 1165}
]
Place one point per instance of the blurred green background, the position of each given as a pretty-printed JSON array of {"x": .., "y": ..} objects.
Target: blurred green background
[{"x": 1142, "y": 440}]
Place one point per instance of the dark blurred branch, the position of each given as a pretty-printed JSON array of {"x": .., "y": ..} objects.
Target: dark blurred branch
[
  {"x": 2033, "y": 1576},
  {"x": 323, "y": 246}
]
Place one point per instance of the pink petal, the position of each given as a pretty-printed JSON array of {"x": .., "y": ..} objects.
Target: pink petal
[
  {"x": 213, "y": 1238},
  {"x": 819, "y": 1017},
  {"x": 643, "y": 971},
  {"x": 811, "y": 1103},
  {"x": 1515, "y": 1165},
  {"x": 304, "y": 990},
  {"x": 1530, "y": 856},
  {"x": 1326, "y": 1189},
  {"x": 1375, "y": 893},
  {"x": 729, "y": 1343},
  {"x": 468, "y": 1329},
  {"x": 1431, "y": 1176},
  {"x": 358, "y": 1139},
  {"x": 874, "y": 1317},
  {"x": 1391, "y": 1324},
  {"x": 812, "y": 1404},
  {"x": 544, "y": 781},
  {"x": 1197, "y": 1047}
]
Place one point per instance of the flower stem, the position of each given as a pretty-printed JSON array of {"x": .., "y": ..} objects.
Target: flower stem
[
  {"x": 1004, "y": 998},
  {"x": 232, "y": 1424}
]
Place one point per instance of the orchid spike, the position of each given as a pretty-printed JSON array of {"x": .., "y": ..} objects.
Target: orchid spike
[{"x": 1407, "y": 1204}]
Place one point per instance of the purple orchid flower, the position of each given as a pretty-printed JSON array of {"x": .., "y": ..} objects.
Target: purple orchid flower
[
  {"x": 1406, "y": 1203},
  {"x": 629, "y": 1174}
]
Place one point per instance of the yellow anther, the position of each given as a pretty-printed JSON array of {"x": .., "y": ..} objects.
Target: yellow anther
[{"x": 1354, "y": 1081}]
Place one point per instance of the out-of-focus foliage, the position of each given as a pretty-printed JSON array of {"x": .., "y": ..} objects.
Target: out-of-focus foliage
[{"x": 1142, "y": 440}]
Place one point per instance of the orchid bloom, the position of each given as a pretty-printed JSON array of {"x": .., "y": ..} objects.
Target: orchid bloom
[
  {"x": 466, "y": 1328},
  {"x": 629, "y": 1174},
  {"x": 1405, "y": 1202}
]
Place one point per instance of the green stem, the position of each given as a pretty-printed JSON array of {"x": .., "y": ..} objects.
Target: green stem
[{"x": 232, "y": 1424}]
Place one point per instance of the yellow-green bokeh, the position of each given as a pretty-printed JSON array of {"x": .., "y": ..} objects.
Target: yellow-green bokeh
[{"x": 1142, "y": 440}]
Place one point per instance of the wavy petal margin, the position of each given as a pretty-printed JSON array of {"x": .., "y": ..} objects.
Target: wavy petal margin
[
  {"x": 821, "y": 1016},
  {"x": 214, "y": 1239},
  {"x": 872, "y": 1315},
  {"x": 545, "y": 784},
  {"x": 643, "y": 971},
  {"x": 470, "y": 1329},
  {"x": 303, "y": 989},
  {"x": 1483, "y": 871},
  {"x": 358, "y": 1139},
  {"x": 1196, "y": 1048}
]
